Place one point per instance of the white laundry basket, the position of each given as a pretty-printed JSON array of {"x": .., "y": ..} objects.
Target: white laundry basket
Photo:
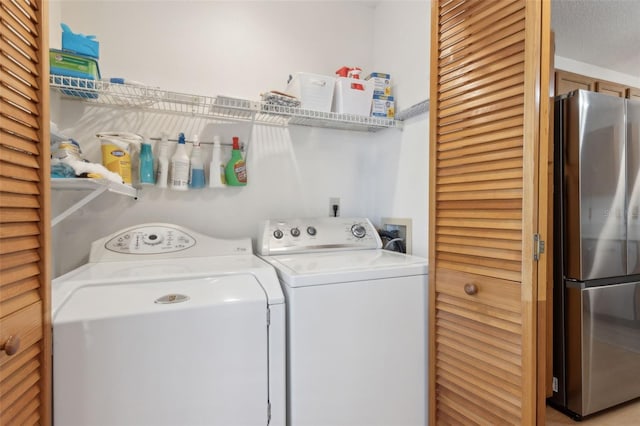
[
  {"x": 353, "y": 96},
  {"x": 315, "y": 91}
]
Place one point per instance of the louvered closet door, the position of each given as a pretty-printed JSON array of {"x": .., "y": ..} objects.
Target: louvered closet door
[
  {"x": 24, "y": 215},
  {"x": 484, "y": 136}
]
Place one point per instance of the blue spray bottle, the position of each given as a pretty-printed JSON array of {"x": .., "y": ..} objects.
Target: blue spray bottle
[{"x": 196, "y": 166}]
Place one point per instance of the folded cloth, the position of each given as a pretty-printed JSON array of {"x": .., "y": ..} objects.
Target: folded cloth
[
  {"x": 280, "y": 98},
  {"x": 81, "y": 167},
  {"x": 62, "y": 170}
]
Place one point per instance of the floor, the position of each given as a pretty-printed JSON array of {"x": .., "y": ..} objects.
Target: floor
[{"x": 623, "y": 415}]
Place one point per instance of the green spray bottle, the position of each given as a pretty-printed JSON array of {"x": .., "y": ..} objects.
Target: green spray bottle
[{"x": 236, "y": 169}]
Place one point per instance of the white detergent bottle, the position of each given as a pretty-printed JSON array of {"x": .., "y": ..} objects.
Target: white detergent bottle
[
  {"x": 180, "y": 167},
  {"x": 216, "y": 168},
  {"x": 162, "y": 172},
  {"x": 196, "y": 169}
]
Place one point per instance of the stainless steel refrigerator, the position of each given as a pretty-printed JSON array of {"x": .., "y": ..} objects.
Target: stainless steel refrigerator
[{"x": 596, "y": 252}]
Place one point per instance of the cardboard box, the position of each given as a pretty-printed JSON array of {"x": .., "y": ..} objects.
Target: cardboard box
[
  {"x": 79, "y": 67},
  {"x": 383, "y": 106},
  {"x": 381, "y": 83}
]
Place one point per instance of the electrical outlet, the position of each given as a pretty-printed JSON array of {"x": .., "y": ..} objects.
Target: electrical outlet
[{"x": 334, "y": 207}]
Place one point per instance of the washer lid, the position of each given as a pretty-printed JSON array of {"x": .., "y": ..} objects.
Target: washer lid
[
  {"x": 129, "y": 299},
  {"x": 305, "y": 269}
]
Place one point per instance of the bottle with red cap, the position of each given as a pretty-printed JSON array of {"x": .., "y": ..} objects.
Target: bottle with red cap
[{"x": 236, "y": 169}]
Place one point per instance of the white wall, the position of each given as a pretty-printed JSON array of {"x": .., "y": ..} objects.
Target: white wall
[
  {"x": 402, "y": 45},
  {"x": 242, "y": 49}
]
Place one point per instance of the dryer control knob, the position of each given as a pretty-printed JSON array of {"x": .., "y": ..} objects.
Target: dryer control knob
[
  {"x": 358, "y": 231},
  {"x": 295, "y": 232},
  {"x": 311, "y": 230},
  {"x": 278, "y": 234},
  {"x": 152, "y": 239}
]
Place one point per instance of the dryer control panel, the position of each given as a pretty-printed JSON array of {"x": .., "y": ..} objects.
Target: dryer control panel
[
  {"x": 317, "y": 234},
  {"x": 150, "y": 239},
  {"x": 163, "y": 241}
]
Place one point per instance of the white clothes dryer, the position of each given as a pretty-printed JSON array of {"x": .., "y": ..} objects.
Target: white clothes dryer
[
  {"x": 166, "y": 326},
  {"x": 356, "y": 323}
]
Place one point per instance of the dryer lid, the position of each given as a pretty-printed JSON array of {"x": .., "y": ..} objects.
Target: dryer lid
[
  {"x": 149, "y": 272},
  {"x": 130, "y": 299}
]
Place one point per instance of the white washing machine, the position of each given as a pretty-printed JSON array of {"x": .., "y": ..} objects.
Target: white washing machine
[
  {"x": 356, "y": 324},
  {"x": 165, "y": 326}
]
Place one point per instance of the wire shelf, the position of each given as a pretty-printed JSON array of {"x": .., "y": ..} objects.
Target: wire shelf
[
  {"x": 96, "y": 186},
  {"x": 101, "y": 92},
  {"x": 413, "y": 111}
]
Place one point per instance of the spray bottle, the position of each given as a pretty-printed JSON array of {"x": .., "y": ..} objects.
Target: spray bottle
[
  {"x": 196, "y": 169},
  {"x": 236, "y": 170},
  {"x": 216, "y": 168},
  {"x": 353, "y": 73},
  {"x": 162, "y": 173},
  {"x": 180, "y": 166}
]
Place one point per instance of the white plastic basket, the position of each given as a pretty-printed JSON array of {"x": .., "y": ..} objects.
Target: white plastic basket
[
  {"x": 315, "y": 91},
  {"x": 353, "y": 96}
]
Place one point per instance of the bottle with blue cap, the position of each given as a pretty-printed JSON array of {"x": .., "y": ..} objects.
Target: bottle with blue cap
[{"x": 179, "y": 173}]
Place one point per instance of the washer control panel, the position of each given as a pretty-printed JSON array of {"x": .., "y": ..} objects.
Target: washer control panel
[
  {"x": 317, "y": 234},
  {"x": 150, "y": 240}
]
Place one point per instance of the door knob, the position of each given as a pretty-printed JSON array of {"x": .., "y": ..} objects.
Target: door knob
[
  {"x": 470, "y": 289},
  {"x": 11, "y": 345}
]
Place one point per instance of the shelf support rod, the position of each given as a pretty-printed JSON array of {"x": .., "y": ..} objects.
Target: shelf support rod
[{"x": 86, "y": 199}]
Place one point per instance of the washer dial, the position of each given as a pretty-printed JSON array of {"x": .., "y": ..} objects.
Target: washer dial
[{"x": 358, "y": 231}]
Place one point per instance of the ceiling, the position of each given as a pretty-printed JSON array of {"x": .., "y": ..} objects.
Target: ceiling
[{"x": 605, "y": 33}]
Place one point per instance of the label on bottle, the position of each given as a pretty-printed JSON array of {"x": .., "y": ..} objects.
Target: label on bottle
[
  {"x": 197, "y": 178},
  {"x": 240, "y": 170},
  {"x": 223, "y": 178},
  {"x": 180, "y": 175}
]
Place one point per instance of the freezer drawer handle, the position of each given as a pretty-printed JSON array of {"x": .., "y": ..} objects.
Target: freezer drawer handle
[
  {"x": 470, "y": 289},
  {"x": 11, "y": 345}
]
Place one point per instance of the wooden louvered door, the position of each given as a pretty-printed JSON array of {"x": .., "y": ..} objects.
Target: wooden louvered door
[
  {"x": 25, "y": 359},
  {"x": 484, "y": 210}
]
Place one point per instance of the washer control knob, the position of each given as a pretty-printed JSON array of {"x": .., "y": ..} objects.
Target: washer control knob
[
  {"x": 311, "y": 230},
  {"x": 358, "y": 231},
  {"x": 278, "y": 234},
  {"x": 295, "y": 232}
]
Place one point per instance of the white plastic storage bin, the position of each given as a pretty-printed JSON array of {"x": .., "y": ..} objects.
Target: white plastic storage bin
[
  {"x": 315, "y": 91},
  {"x": 353, "y": 96}
]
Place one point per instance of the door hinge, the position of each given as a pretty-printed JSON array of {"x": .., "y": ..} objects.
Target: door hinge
[
  {"x": 538, "y": 247},
  {"x": 268, "y": 412},
  {"x": 268, "y": 317}
]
